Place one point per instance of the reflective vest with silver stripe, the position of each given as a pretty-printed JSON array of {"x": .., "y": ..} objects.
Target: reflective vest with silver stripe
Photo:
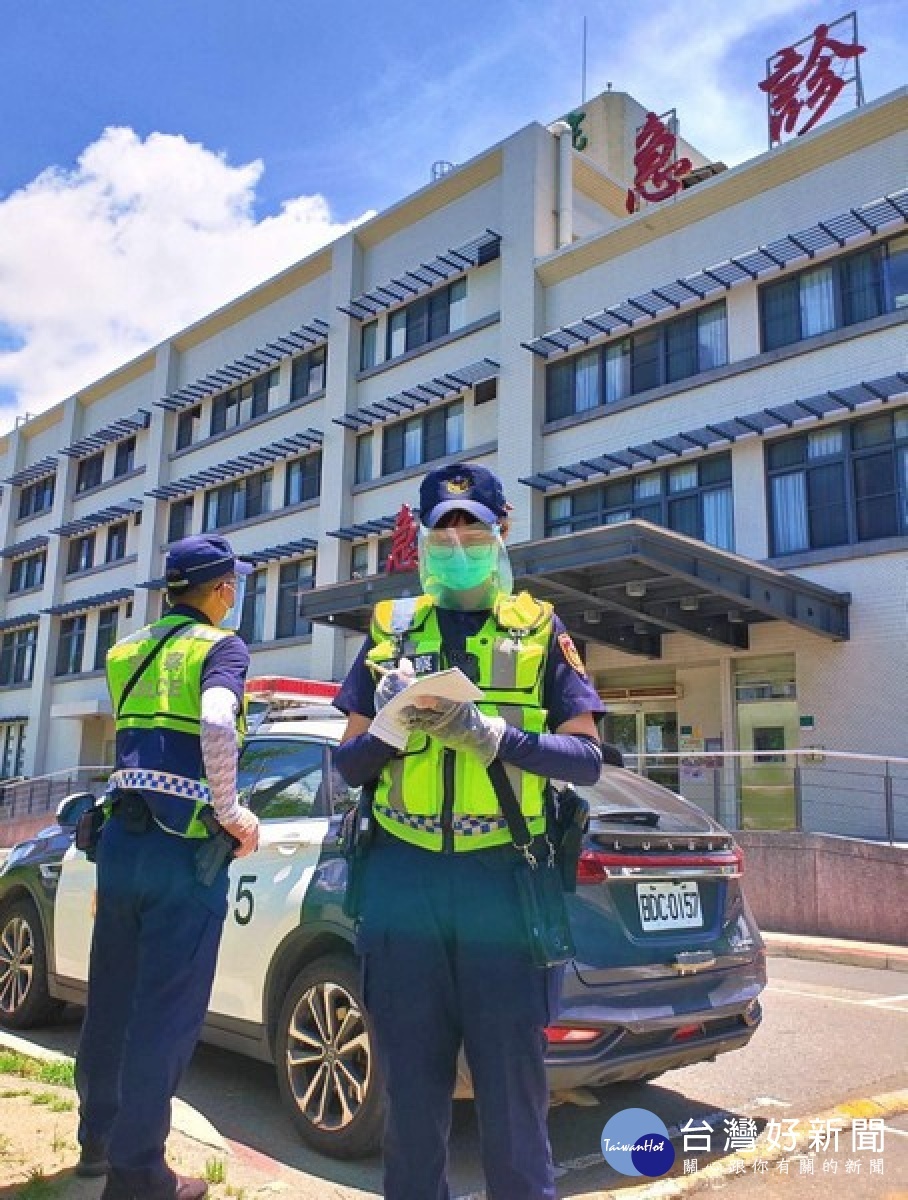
[
  {"x": 166, "y": 700},
  {"x": 428, "y": 794}
]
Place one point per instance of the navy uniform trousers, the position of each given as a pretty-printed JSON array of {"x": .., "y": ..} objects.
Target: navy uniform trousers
[
  {"x": 445, "y": 964},
  {"x": 153, "y": 956}
]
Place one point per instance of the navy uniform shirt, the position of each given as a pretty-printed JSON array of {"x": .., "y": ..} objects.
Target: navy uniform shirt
[{"x": 566, "y": 690}]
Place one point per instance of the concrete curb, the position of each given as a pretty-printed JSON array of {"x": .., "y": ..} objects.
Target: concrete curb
[
  {"x": 885, "y": 1106},
  {"x": 184, "y": 1118},
  {"x": 837, "y": 950}
]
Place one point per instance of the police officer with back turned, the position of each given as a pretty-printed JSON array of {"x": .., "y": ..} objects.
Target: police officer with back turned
[
  {"x": 446, "y": 956},
  {"x": 176, "y": 688}
]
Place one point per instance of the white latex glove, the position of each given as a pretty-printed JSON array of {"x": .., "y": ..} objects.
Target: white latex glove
[
  {"x": 244, "y": 826},
  {"x": 459, "y": 725},
  {"x": 393, "y": 682}
]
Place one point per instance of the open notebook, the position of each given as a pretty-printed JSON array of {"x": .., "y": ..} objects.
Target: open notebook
[{"x": 451, "y": 684}]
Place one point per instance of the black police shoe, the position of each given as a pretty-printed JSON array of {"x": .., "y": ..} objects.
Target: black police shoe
[
  {"x": 92, "y": 1160},
  {"x": 178, "y": 1187}
]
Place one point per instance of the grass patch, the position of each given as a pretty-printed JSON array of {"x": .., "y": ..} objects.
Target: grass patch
[
  {"x": 60, "y": 1073},
  {"x": 215, "y": 1170},
  {"x": 37, "y": 1186},
  {"x": 54, "y": 1102}
]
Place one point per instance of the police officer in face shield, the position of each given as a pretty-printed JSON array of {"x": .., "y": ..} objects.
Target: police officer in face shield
[
  {"x": 445, "y": 952},
  {"x": 176, "y": 689}
]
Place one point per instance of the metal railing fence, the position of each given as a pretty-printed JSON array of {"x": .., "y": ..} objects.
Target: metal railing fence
[
  {"x": 32, "y": 797},
  {"x": 811, "y": 791}
]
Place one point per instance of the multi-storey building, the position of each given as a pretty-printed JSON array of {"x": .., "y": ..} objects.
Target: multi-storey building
[{"x": 729, "y": 367}]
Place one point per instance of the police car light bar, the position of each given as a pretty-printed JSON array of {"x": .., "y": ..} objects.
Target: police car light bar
[{"x": 284, "y": 688}]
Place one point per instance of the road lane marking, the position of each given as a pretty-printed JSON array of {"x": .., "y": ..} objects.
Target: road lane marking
[
  {"x": 884, "y": 1001},
  {"x": 828, "y": 996}
]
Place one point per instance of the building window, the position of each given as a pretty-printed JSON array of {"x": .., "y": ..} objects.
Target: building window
[
  {"x": 27, "y": 572},
  {"x": 661, "y": 354},
  {"x": 89, "y": 471},
  {"x": 179, "y": 519},
  {"x": 81, "y": 555},
  {"x": 359, "y": 560},
  {"x": 694, "y": 498},
  {"x": 17, "y": 655},
  {"x": 238, "y": 501},
  {"x": 383, "y": 554},
  {"x": 368, "y": 346},
  {"x": 303, "y": 480},
  {"x": 125, "y": 457},
  {"x": 36, "y": 497},
  {"x": 108, "y": 619},
  {"x": 12, "y": 749},
  {"x": 116, "y": 541},
  {"x": 427, "y": 319},
  {"x": 188, "y": 426},
  {"x": 296, "y": 578},
  {"x": 842, "y": 292},
  {"x": 422, "y": 439},
  {"x": 308, "y": 374},
  {"x": 839, "y": 486},
  {"x": 243, "y": 403},
  {"x": 71, "y": 645},
  {"x": 364, "y": 458},
  {"x": 252, "y": 623}
]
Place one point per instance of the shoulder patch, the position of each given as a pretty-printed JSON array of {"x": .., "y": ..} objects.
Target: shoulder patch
[{"x": 571, "y": 654}]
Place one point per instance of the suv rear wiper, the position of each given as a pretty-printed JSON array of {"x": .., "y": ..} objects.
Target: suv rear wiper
[{"x": 630, "y": 816}]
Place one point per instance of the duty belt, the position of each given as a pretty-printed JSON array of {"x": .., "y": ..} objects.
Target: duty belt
[
  {"x": 464, "y": 826},
  {"x": 139, "y": 779}
]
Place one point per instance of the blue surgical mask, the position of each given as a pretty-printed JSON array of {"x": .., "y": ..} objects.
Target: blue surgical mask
[{"x": 234, "y": 615}]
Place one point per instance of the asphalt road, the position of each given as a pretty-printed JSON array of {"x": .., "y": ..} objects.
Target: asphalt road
[{"x": 830, "y": 1033}]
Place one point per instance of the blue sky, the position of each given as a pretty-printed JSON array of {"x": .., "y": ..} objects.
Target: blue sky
[{"x": 237, "y": 135}]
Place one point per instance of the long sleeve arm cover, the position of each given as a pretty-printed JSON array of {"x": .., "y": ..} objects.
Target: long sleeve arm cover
[{"x": 219, "y": 709}]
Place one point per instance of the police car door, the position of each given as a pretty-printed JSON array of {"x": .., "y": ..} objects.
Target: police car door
[{"x": 281, "y": 778}]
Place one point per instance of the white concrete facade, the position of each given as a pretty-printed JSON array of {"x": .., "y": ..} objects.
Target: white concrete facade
[{"x": 855, "y": 691}]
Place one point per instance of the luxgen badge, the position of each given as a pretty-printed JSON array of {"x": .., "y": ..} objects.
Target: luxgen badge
[{"x": 635, "y": 1142}]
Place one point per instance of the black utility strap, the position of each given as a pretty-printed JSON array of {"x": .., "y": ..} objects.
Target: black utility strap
[
  {"x": 148, "y": 660},
  {"x": 509, "y": 804}
]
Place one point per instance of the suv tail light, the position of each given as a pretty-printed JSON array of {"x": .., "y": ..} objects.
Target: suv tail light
[
  {"x": 595, "y": 866},
  {"x": 561, "y": 1035}
]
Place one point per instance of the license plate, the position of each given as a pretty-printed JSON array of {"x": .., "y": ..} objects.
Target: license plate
[{"x": 669, "y": 906}]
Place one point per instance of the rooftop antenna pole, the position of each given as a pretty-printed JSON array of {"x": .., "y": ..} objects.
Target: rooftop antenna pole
[{"x": 583, "y": 72}]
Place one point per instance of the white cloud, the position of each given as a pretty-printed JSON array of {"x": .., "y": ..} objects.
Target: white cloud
[{"x": 140, "y": 239}]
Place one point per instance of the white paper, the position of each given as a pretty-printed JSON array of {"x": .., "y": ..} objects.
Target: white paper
[{"x": 447, "y": 685}]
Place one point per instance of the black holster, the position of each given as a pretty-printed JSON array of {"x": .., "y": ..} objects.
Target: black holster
[
  {"x": 217, "y": 850},
  {"x": 88, "y": 830},
  {"x": 567, "y": 819},
  {"x": 357, "y": 834}
]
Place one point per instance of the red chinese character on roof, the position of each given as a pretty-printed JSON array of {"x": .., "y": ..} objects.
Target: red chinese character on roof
[
  {"x": 657, "y": 173},
  {"x": 797, "y": 81},
  {"x": 404, "y": 542}
]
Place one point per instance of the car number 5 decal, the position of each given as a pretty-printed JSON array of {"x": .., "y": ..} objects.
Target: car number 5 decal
[{"x": 244, "y": 897}]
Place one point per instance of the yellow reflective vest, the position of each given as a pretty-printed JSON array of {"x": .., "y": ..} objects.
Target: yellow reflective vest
[
  {"x": 430, "y": 795},
  {"x": 161, "y": 719}
]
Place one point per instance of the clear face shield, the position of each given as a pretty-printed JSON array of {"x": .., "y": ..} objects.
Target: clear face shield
[
  {"x": 464, "y": 567},
  {"x": 234, "y": 614}
]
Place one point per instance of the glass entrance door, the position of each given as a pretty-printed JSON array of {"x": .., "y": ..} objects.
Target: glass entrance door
[{"x": 644, "y": 736}]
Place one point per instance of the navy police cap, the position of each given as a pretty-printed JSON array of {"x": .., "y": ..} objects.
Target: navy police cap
[
  {"x": 200, "y": 558},
  {"x": 462, "y": 487}
]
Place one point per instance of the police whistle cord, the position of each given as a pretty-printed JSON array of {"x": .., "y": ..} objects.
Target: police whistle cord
[{"x": 212, "y": 854}]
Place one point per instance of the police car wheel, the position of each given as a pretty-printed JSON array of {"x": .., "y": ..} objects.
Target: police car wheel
[
  {"x": 327, "y": 1072},
  {"x": 24, "y": 998}
]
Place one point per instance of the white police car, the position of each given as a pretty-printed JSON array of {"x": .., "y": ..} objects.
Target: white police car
[{"x": 669, "y": 961}]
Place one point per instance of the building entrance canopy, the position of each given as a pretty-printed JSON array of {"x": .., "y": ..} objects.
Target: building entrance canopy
[{"x": 627, "y": 585}]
